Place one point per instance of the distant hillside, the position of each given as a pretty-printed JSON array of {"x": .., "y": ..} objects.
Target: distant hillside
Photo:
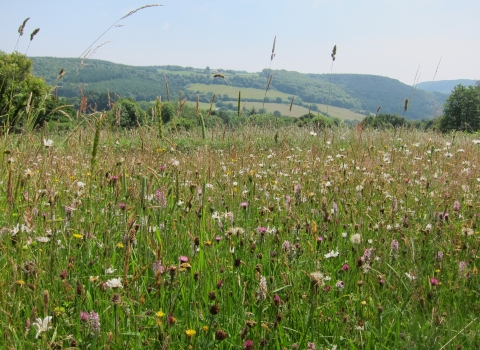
[
  {"x": 444, "y": 86},
  {"x": 361, "y": 94}
]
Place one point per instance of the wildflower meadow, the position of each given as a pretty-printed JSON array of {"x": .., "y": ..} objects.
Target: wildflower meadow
[{"x": 246, "y": 239}]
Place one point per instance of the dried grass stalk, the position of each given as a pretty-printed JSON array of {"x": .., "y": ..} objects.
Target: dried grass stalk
[
  {"x": 140, "y": 8},
  {"x": 22, "y": 27},
  {"x": 211, "y": 105},
  {"x": 166, "y": 87},
  {"x": 35, "y": 32}
]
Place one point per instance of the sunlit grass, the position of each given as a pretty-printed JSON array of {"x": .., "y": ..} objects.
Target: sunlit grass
[{"x": 326, "y": 241}]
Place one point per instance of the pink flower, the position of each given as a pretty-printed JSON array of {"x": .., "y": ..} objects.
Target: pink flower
[
  {"x": 433, "y": 281},
  {"x": 345, "y": 267},
  {"x": 183, "y": 259},
  {"x": 248, "y": 345},
  {"x": 244, "y": 205}
]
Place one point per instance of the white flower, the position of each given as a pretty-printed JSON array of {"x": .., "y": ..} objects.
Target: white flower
[
  {"x": 81, "y": 184},
  {"x": 356, "y": 238},
  {"x": 332, "y": 254},
  {"x": 42, "y": 239},
  {"x": 110, "y": 270},
  {"x": 175, "y": 162},
  {"x": 359, "y": 188},
  {"x": 47, "y": 143},
  {"x": 42, "y": 325},
  {"x": 476, "y": 142},
  {"x": 115, "y": 283},
  {"x": 344, "y": 234},
  {"x": 410, "y": 276},
  {"x": 313, "y": 133}
]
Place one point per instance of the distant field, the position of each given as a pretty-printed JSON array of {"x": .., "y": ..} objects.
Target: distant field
[
  {"x": 189, "y": 72},
  {"x": 233, "y": 91},
  {"x": 251, "y": 93},
  {"x": 297, "y": 111}
]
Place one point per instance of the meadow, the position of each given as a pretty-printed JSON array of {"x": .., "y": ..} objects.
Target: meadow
[{"x": 246, "y": 239}]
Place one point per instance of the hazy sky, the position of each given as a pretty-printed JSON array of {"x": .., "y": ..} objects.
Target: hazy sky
[{"x": 383, "y": 37}]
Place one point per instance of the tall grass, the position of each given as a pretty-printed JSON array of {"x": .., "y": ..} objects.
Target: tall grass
[{"x": 240, "y": 239}]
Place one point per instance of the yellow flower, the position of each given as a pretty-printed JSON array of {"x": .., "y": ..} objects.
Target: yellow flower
[
  {"x": 205, "y": 328},
  {"x": 438, "y": 271},
  {"x": 363, "y": 302},
  {"x": 190, "y": 333},
  {"x": 119, "y": 245},
  {"x": 77, "y": 235},
  {"x": 20, "y": 282},
  {"x": 160, "y": 313}
]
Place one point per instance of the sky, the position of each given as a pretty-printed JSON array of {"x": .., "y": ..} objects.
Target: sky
[{"x": 408, "y": 40}]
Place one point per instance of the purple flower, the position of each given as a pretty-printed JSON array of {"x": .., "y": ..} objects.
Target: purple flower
[
  {"x": 122, "y": 206},
  {"x": 94, "y": 321},
  {"x": 161, "y": 198},
  {"x": 456, "y": 206},
  {"x": 63, "y": 274},
  {"x": 157, "y": 267},
  {"x": 162, "y": 168},
  {"x": 84, "y": 316},
  {"x": 462, "y": 267},
  {"x": 248, "y": 345},
  {"x": 286, "y": 246},
  {"x": 433, "y": 281},
  {"x": 244, "y": 205},
  {"x": 335, "y": 208},
  {"x": 113, "y": 179},
  {"x": 394, "y": 245},
  {"x": 261, "y": 230},
  {"x": 311, "y": 346},
  {"x": 340, "y": 285},
  {"x": 345, "y": 267},
  {"x": 183, "y": 259}
]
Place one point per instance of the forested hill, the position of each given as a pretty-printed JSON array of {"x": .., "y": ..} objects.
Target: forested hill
[
  {"x": 444, "y": 86},
  {"x": 359, "y": 93}
]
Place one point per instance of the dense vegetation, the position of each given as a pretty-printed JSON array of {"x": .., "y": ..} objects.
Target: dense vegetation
[
  {"x": 360, "y": 93},
  {"x": 159, "y": 225}
]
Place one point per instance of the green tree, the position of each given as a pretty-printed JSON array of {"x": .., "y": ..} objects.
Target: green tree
[
  {"x": 19, "y": 89},
  {"x": 126, "y": 113},
  {"x": 462, "y": 110}
]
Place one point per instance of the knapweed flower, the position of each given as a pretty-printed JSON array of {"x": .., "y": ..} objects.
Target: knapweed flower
[
  {"x": 311, "y": 346},
  {"x": 183, "y": 259},
  {"x": 244, "y": 205},
  {"x": 433, "y": 281},
  {"x": 157, "y": 267},
  {"x": 345, "y": 267},
  {"x": 84, "y": 316},
  {"x": 340, "y": 285},
  {"x": 248, "y": 345},
  {"x": 42, "y": 325}
]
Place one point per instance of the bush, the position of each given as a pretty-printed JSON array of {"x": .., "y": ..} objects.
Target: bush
[{"x": 385, "y": 121}]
